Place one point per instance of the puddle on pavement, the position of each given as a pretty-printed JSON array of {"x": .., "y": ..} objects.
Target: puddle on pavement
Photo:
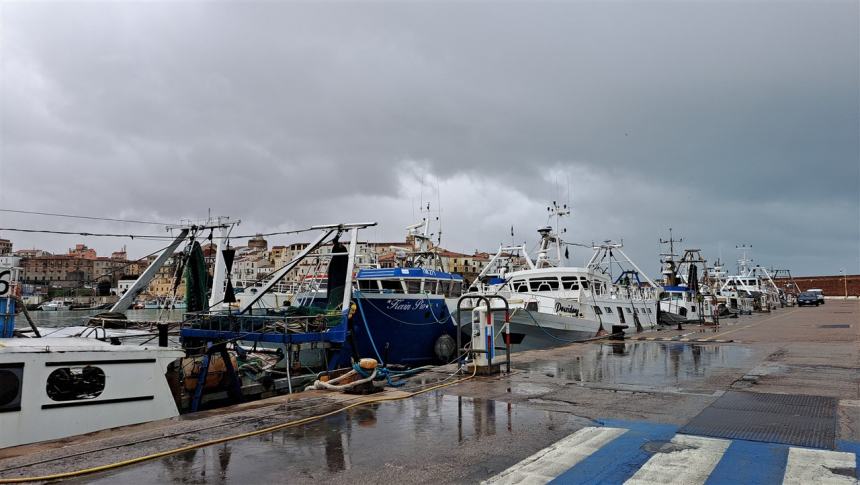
[
  {"x": 377, "y": 435},
  {"x": 642, "y": 363}
]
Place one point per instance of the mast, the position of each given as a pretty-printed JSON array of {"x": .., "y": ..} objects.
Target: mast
[
  {"x": 550, "y": 238},
  {"x": 744, "y": 262},
  {"x": 670, "y": 270}
]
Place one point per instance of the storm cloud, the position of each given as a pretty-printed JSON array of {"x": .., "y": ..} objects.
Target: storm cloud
[{"x": 732, "y": 122}]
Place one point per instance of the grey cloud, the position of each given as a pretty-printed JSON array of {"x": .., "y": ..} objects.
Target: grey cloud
[{"x": 731, "y": 122}]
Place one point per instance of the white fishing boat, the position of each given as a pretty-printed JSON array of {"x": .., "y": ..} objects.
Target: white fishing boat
[
  {"x": 730, "y": 301},
  {"x": 753, "y": 282},
  {"x": 686, "y": 295},
  {"x": 55, "y": 306},
  {"x": 56, "y": 387},
  {"x": 552, "y": 304}
]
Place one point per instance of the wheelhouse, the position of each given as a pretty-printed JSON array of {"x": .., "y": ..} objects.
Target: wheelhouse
[
  {"x": 416, "y": 281},
  {"x": 556, "y": 280}
]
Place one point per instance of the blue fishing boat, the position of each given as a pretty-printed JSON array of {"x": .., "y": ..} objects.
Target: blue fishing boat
[{"x": 402, "y": 316}]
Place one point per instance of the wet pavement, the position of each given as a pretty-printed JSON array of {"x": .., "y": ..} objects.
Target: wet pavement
[
  {"x": 642, "y": 392},
  {"x": 387, "y": 438},
  {"x": 659, "y": 365}
]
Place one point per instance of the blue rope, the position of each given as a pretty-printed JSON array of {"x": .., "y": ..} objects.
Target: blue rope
[
  {"x": 384, "y": 373},
  {"x": 367, "y": 328}
]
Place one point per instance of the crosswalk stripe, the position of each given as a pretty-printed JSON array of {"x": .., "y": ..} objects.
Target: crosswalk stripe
[
  {"x": 689, "y": 461},
  {"x": 807, "y": 466},
  {"x": 750, "y": 462},
  {"x": 619, "y": 459},
  {"x": 552, "y": 461}
]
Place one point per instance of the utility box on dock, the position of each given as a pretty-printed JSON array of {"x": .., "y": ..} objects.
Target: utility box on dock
[
  {"x": 482, "y": 330},
  {"x": 483, "y": 342}
]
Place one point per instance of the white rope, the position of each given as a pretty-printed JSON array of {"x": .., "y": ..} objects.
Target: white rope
[{"x": 330, "y": 385}]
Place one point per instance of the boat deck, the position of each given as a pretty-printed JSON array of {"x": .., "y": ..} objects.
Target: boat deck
[{"x": 765, "y": 398}]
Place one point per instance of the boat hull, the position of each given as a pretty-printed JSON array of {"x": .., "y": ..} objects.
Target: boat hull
[{"x": 400, "y": 329}]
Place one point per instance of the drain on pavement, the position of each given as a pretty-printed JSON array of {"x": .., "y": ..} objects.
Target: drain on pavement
[{"x": 773, "y": 418}]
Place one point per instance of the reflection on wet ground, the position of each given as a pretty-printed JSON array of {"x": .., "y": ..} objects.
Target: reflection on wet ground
[
  {"x": 380, "y": 435},
  {"x": 642, "y": 363}
]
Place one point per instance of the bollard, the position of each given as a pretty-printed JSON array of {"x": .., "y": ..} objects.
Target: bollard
[{"x": 162, "y": 334}]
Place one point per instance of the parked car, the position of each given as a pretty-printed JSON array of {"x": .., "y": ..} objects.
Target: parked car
[
  {"x": 818, "y": 293},
  {"x": 807, "y": 298}
]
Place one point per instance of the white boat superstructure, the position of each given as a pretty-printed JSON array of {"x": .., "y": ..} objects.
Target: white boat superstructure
[
  {"x": 56, "y": 387},
  {"x": 729, "y": 299},
  {"x": 56, "y": 306},
  {"x": 552, "y": 304},
  {"x": 753, "y": 282}
]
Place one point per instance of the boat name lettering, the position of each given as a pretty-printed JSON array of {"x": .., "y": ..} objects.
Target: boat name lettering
[
  {"x": 407, "y": 305},
  {"x": 566, "y": 308}
]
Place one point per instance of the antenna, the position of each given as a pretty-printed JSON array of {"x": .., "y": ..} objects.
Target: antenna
[
  {"x": 743, "y": 263},
  {"x": 671, "y": 242}
]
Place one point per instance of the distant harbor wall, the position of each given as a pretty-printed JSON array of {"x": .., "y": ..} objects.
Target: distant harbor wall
[{"x": 833, "y": 285}]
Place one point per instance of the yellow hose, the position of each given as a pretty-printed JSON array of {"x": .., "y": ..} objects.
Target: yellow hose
[{"x": 161, "y": 454}]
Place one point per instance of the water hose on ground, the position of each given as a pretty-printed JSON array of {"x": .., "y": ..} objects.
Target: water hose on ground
[{"x": 270, "y": 429}]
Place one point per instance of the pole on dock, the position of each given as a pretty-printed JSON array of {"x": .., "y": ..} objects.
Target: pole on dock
[{"x": 162, "y": 334}]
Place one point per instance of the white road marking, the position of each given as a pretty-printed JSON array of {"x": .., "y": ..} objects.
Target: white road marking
[
  {"x": 552, "y": 461},
  {"x": 691, "y": 463},
  {"x": 807, "y": 466}
]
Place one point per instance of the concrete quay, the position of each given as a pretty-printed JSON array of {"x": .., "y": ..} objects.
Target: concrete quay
[{"x": 767, "y": 398}]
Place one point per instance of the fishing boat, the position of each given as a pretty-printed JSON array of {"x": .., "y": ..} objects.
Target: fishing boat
[
  {"x": 752, "y": 282},
  {"x": 56, "y": 306},
  {"x": 552, "y": 304},
  {"x": 56, "y": 387},
  {"x": 685, "y": 296},
  {"x": 402, "y": 313},
  {"x": 403, "y": 317}
]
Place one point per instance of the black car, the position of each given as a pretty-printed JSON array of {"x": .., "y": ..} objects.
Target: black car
[{"x": 807, "y": 298}]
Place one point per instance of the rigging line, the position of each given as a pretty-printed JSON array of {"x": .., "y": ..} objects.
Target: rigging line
[
  {"x": 94, "y": 234},
  {"x": 149, "y": 236},
  {"x": 92, "y": 218},
  {"x": 278, "y": 233},
  {"x": 577, "y": 244}
]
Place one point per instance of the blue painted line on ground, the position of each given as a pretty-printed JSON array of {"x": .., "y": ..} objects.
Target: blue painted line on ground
[
  {"x": 622, "y": 457},
  {"x": 851, "y": 447},
  {"x": 751, "y": 463}
]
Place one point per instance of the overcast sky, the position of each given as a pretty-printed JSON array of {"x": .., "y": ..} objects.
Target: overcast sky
[{"x": 731, "y": 122}]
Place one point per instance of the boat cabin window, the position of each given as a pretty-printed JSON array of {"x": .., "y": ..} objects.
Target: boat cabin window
[
  {"x": 570, "y": 282},
  {"x": 519, "y": 286},
  {"x": 413, "y": 286},
  {"x": 11, "y": 376},
  {"x": 584, "y": 283},
  {"x": 389, "y": 286},
  {"x": 608, "y": 310},
  {"x": 620, "y": 314},
  {"x": 456, "y": 289},
  {"x": 369, "y": 285},
  {"x": 75, "y": 383},
  {"x": 432, "y": 287},
  {"x": 543, "y": 284},
  {"x": 629, "y": 310},
  {"x": 597, "y": 310}
]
